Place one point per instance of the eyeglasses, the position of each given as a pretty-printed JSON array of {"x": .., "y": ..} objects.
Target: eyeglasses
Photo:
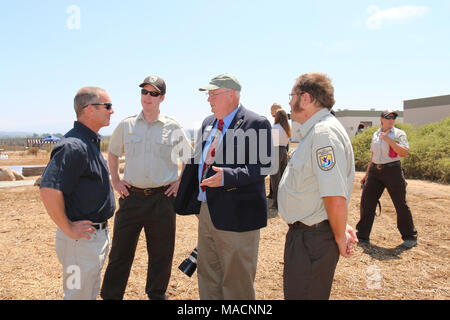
[
  {"x": 291, "y": 95},
  {"x": 107, "y": 105},
  {"x": 145, "y": 92},
  {"x": 213, "y": 95},
  {"x": 388, "y": 117}
]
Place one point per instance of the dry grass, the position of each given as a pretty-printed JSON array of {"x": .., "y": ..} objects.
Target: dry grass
[
  {"x": 30, "y": 269},
  {"x": 23, "y": 158}
]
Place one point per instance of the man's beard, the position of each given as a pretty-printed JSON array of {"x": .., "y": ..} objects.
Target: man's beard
[{"x": 297, "y": 108}]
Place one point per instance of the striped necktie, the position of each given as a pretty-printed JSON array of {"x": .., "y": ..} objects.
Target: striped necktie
[{"x": 212, "y": 150}]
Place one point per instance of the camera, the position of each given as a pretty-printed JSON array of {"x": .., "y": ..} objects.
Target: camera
[{"x": 189, "y": 265}]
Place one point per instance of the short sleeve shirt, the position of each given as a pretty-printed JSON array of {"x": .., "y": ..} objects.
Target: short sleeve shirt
[
  {"x": 380, "y": 148},
  {"x": 151, "y": 150},
  {"x": 322, "y": 166},
  {"x": 77, "y": 169}
]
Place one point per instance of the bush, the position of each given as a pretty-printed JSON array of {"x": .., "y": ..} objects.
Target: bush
[
  {"x": 428, "y": 157},
  {"x": 33, "y": 150}
]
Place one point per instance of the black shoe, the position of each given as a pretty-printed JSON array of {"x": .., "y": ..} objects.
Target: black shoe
[
  {"x": 408, "y": 244},
  {"x": 157, "y": 296},
  {"x": 363, "y": 242}
]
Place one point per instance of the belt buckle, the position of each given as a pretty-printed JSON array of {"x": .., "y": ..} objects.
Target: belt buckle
[
  {"x": 100, "y": 226},
  {"x": 148, "y": 192}
]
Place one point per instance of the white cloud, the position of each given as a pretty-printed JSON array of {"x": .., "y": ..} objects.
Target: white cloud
[{"x": 378, "y": 17}]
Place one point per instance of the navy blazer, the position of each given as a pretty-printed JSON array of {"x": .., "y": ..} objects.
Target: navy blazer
[{"x": 240, "y": 204}]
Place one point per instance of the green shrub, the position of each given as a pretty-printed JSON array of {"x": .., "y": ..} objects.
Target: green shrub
[{"x": 429, "y": 152}]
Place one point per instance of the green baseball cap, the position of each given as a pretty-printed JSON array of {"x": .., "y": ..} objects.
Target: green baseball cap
[{"x": 225, "y": 80}]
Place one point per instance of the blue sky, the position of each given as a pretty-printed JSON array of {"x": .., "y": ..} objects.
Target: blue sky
[{"x": 378, "y": 53}]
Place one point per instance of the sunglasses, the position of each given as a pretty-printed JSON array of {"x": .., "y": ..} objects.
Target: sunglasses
[
  {"x": 388, "y": 117},
  {"x": 107, "y": 105},
  {"x": 145, "y": 92}
]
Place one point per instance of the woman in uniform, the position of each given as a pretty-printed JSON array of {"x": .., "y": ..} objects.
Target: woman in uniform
[
  {"x": 281, "y": 141},
  {"x": 388, "y": 145}
]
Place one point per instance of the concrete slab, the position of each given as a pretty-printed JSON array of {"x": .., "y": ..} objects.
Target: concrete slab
[{"x": 19, "y": 183}]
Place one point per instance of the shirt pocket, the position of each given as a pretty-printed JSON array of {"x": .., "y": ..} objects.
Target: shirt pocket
[
  {"x": 132, "y": 145},
  {"x": 164, "y": 146}
]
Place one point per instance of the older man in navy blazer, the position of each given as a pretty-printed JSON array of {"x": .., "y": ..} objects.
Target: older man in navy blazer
[{"x": 224, "y": 184}]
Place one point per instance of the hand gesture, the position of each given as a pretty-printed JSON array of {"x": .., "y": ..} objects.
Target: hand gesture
[
  {"x": 346, "y": 244},
  {"x": 173, "y": 188},
  {"x": 80, "y": 229},
  {"x": 121, "y": 188},
  {"x": 215, "y": 180}
]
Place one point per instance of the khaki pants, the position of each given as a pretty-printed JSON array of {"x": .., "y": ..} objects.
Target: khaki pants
[
  {"x": 226, "y": 261},
  {"x": 82, "y": 261}
]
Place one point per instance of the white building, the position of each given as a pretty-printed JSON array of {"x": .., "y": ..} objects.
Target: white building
[
  {"x": 426, "y": 110},
  {"x": 351, "y": 119}
]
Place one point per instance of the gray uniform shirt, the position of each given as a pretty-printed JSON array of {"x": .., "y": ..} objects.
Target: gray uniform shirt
[
  {"x": 322, "y": 165},
  {"x": 380, "y": 148},
  {"x": 151, "y": 150}
]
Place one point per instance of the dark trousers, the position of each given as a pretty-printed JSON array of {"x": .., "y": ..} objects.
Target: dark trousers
[
  {"x": 391, "y": 178},
  {"x": 310, "y": 258},
  {"x": 156, "y": 215},
  {"x": 275, "y": 179}
]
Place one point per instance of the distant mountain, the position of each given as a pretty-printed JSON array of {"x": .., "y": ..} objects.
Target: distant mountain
[{"x": 12, "y": 134}]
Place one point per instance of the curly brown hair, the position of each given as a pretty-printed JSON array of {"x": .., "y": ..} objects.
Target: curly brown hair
[{"x": 319, "y": 87}]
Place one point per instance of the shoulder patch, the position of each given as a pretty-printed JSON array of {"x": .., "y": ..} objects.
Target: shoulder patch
[{"x": 325, "y": 158}]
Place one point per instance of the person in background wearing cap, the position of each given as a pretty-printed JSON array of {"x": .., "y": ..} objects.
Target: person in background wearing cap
[
  {"x": 314, "y": 192},
  {"x": 226, "y": 187},
  {"x": 77, "y": 194},
  {"x": 388, "y": 145},
  {"x": 146, "y": 191}
]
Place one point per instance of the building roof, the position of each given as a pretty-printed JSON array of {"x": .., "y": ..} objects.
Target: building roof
[
  {"x": 363, "y": 113},
  {"x": 427, "y": 102}
]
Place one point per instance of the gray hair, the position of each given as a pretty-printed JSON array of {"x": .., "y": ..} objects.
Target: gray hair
[{"x": 86, "y": 96}]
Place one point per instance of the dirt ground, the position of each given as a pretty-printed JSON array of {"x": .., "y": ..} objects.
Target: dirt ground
[{"x": 29, "y": 267}]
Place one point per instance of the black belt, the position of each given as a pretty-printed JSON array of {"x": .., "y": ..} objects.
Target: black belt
[
  {"x": 300, "y": 225},
  {"x": 101, "y": 225},
  {"x": 149, "y": 191},
  {"x": 385, "y": 165}
]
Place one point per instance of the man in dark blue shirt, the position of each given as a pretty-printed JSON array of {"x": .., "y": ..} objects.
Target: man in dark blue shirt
[{"x": 77, "y": 194}]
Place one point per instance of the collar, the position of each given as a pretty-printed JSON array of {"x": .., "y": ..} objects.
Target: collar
[
  {"x": 228, "y": 118},
  {"x": 160, "y": 118},
  {"x": 390, "y": 130},
  {"x": 311, "y": 122},
  {"x": 84, "y": 130}
]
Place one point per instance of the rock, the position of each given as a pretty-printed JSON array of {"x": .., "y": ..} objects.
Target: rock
[
  {"x": 7, "y": 174},
  {"x": 38, "y": 181},
  {"x": 17, "y": 175}
]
